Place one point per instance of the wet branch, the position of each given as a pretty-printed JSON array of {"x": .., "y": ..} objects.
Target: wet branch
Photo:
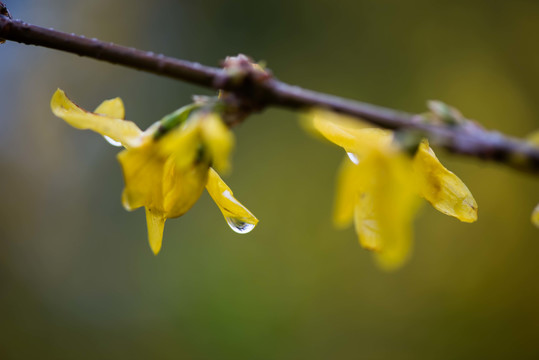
[{"x": 255, "y": 91}]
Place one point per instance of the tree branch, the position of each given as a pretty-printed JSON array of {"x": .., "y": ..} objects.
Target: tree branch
[{"x": 257, "y": 92}]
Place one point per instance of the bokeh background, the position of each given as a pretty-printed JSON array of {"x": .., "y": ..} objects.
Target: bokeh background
[{"x": 78, "y": 280}]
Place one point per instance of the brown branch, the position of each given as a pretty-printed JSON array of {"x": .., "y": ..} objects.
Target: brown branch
[{"x": 256, "y": 92}]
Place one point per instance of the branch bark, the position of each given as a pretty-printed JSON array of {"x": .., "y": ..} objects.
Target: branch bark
[{"x": 259, "y": 92}]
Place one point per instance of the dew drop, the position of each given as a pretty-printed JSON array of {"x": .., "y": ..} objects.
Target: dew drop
[
  {"x": 353, "y": 157},
  {"x": 239, "y": 226},
  {"x": 112, "y": 141}
]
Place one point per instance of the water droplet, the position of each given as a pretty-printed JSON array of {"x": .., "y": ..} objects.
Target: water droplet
[
  {"x": 112, "y": 141},
  {"x": 239, "y": 226},
  {"x": 353, "y": 157}
]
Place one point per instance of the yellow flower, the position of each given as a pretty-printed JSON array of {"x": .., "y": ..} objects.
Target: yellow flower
[
  {"x": 167, "y": 166},
  {"x": 378, "y": 184}
]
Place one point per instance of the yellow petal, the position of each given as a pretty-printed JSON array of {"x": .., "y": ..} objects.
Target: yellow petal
[
  {"x": 203, "y": 137},
  {"x": 346, "y": 196},
  {"x": 143, "y": 175},
  {"x": 535, "y": 216},
  {"x": 337, "y": 129},
  {"x": 113, "y": 108},
  {"x": 156, "y": 224},
  {"x": 366, "y": 223},
  {"x": 218, "y": 139},
  {"x": 125, "y": 132},
  {"x": 165, "y": 173},
  {"x": 183, "y": 143},
  {"x": 346, "y": 132},
  {"x": 182, "y": 187},
  {"x": 443, "y": 189},
  {"x": 386, "y": 206},
  {"x": 373, "y": 138},
  {"x": 237, "y": 216}
]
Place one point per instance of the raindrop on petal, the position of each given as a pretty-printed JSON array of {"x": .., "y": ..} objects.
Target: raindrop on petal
[
  {"x": 112, "y": 142},
  {"x": 239, "y": 226},
  {"x": 353, "y": 157}
]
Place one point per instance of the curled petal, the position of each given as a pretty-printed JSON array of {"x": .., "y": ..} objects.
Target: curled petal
[
  {"x": 218, "y": 139},
  {"x": 535, "y": 216},
  {"x": 125, "y": 132},
  {"x": 346, "y": 195},
  {"x": 443, "y": 189},
  {"x": 113, "y": 108},
  {"x": 156, "y": 224},
  {"x": 237, "y": 216}
]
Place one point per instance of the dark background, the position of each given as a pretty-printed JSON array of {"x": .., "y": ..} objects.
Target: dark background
[{"x": 77, "y": 277}]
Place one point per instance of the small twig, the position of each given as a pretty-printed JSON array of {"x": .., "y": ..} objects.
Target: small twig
[{"x": 257, "y": 92}]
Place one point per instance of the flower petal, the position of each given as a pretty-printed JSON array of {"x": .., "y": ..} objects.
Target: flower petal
[
  {"x": 347, "y": 133},
  {"x": 443, "y": 189},
  {"x": 113, "y": 108},
  {"x": 182, "y": 187},
  {"x": 117, "y": 129},
  {"x": 366, "y": 224},
  {"x": 386, "y": 206},
  {"x": 143, "y": 175},
  {"x": 346, "y": 195},
  {"x": 156, "y": 224},
  {"x": 237, "y": 216},
  {"x": 218, "y": 139},
  {"x": 164, "y": 174},
  {"x": 337, "y": 129},
  {"x": 183, "y": 143}
]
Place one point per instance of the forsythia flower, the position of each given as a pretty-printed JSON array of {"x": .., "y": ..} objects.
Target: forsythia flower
[
  {"x": 379, "y": 184},
  {"x": 167, "y": 166}
]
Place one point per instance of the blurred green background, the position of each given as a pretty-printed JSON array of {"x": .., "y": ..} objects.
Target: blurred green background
[{"x": 77, "y": 277}]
